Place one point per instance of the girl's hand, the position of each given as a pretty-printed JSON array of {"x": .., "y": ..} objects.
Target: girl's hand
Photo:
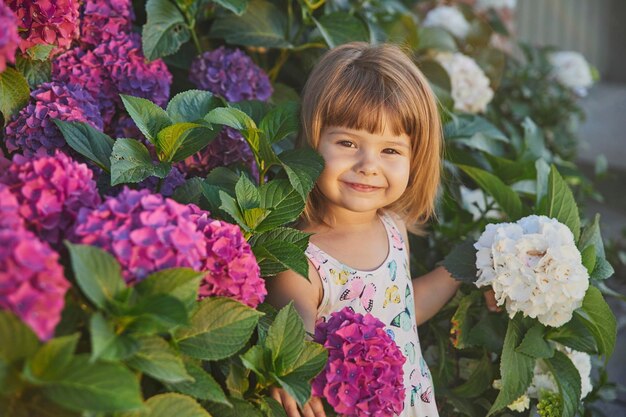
[
  {"x": 313, "y": 408},
  {"x": 490, "y": 300}
]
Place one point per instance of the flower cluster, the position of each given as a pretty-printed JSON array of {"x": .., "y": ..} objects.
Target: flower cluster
[
  {"x": 144, "y": 231},
  {"x": 46, "y": 22},
  {"x": 32, "y": 284},
  {"x": 449, "y": 18},
  {"x": 9, "y": 39},
  {"x": 550, "y": 405},
  {"x": 543, "y": 380},
  {"x": 232, "y": 270},
  {"x": 174, "y": 179},
  {"x": 572, "y": 70},
  {"x": 534, "y": 267},
  {"x": 364, "y": 375},
  {"x": 496, "y": 4},
  {"x": 116, "y": 66},
  {"x": 227, "y": 148},
  {"x": 9, "y": 208},
  {"x": 230, "y": 74},
  {"x": 50, "y": 190},
  {"x": 102, "y": 20},
  {"x": 33, "y": 132},
  {"x": 470, "y": 86}
]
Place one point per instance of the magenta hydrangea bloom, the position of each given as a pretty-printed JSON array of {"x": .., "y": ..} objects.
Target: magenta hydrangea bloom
[
  {"x": 363, "y": 375},
  {"x": 9, "y": 39},
  {"x": 47, "y": 22},
  {"x": 33, "y": 132},
  {"x": 50, "y": 191},
  {"x": 9, "y": 209},
  {"x": 230, "y": 74},
  {"x": 145, "y": 232},
  {"x": 227, "y": 148},
  {"x": 32, "y": 284},
  {"x": 231, "y": 265},
  {"x": 103, "y": 19}
]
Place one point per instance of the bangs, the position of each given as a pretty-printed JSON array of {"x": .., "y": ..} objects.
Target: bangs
[{"x": 360, "y": 99}]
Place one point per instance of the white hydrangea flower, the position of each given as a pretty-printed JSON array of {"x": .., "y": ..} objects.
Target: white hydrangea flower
[
  {"x": 572, "y": 70},
  {"x": 449, "y": 18},
  {"x": 543, "y": 380},
  {"x": 496, "y": 4},
  {"x": 470, "y": 85},
  {"x": 521, "y": 404},
  {"x": 534, "y": 267}
]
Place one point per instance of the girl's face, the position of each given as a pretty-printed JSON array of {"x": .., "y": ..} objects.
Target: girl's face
[{"x": 363, "y": 171}]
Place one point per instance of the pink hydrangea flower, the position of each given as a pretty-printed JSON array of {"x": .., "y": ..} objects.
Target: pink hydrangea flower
[
  {"x": 9, "y": 39},
  {"x": 50, "y": 190},
  {"x": 33, "y": 132},
  {"x": 231, "y": 265},
  {"x": 9, "y": 209},
  {"x": 364, "y": 375},
  {"x": 46, "y": 22},
  {"x": 103, "y": 19},
  {"x": 32, "y": 284}
]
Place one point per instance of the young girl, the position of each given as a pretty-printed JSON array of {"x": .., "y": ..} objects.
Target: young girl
[{"x": 370, "y": 113}]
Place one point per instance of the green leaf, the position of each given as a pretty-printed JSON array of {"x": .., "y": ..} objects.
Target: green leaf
[
  {"x": 40, "y": 52},
  {"x": 436, "y": 38},
  {"x": 172, "y": 137},
  {"x": 100, "y": 386},
  {"x": 156, "y": 358},
  {"x": 237, "y": 377},
  {"x": 284, "y": 202},
  {"x": 534, "y": 142},
  {"x": 506, "y": 198},
  {"x": 461, "y": 321},
  {"x": 574, "y": 334},
  {"x": 543, "y": 172},
  {"x": 232, "y": 117},
  {"x": 254, "y": 216},
  {"x": 460, "y": 262},
  {"x": 161, "y": 311},
  {"x": 52, "y": 357},
  {"x": 602, "y": 270},
  {"x": 516, "y": 368},
  {"x": 181, "y": 283},
  {"x": 239, "y": 408},
  {"x": 14, "y": 92},
  {"x": 230, "y": 206},
  {"x": 468, "y": 126},
  {"x": 248, "y": 196},
  {"x": 588, "y": 256},
  {"x": 568, "y": 380},
  {"x": 263, "y": 24},
  {"x": 258, "y": 360},
  {"x": 191, "y": 106},
  {"x": 271, "y": 407},
  {"x": 149, "y": 117},
  {"x": 131, "y": 163},
  {"x": 479, "y": 380},
  {"x": 302, "y": 166},
  {"x": 97, "y": 273},
  {"x": 282, "y": 254},
  {"x": 236, "y": 6},
  {"x": 488, "y": 332},
  {"x": 223, "y": 178},
  {"x": 218, "y": 329},
  {"x": 192, "y": 141},
  {"x": 338, "y": 28},
  {"x": 203, "y": 386},
  {"x": 256, "y": 109},
  {"x": 298, "y": 388},
  {"x": 280, "y": 122},
  {"x": 165, "y": 29},
  {"x": 34, "y": 71},
  {"x": 106, "y": 343},
  {"x": 24, "y": 342},
  {"x": 534, "y": 343},
  {"x": 285, "y": 338},
  {"x": 598, "y": 318},
  {"x": 591, "y": 236},
  {"x": 310, "y": 362},
  {"x": 561, "y": 204},
  {"x": 87, "y": 141},
  {"x": 169, "y": 405}
]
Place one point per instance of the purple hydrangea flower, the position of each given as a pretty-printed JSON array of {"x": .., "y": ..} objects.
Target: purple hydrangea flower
[
  {"x": 32, "y": 284},
  {"x": 230, "y": 74},
  {"x": 33, "y": 132},
  {"x": 9, "y": 209},
  {"x": 173, "y": 180},
  {"x": 231, "y": 265},
  {"x": 103, "y": 19},
  {"x": 47, "y": 22},
  {"x": 363, "y": 375},
  {"x": 123, "y": 126},
  {"x": 50, "y": 190},
  {"x": 144, "y": 231},
  {"x": 227, "y": 148},
  {"x": 9, "y": 39}
]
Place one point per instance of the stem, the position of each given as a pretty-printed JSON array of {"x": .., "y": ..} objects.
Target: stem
[
  {"x": 273, "y": 73},
  {"x": 196, "y": 41},
  {"x": 309, "y": 45}
]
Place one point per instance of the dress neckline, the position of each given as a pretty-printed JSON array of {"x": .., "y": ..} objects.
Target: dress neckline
[{"x": 383, "y": 219}]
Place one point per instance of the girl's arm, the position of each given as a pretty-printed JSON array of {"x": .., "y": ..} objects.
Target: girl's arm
[{"x": 431, "y": 292}]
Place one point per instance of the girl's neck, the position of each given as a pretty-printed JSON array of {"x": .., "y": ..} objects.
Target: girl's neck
[{"x": 341, "y": 220}]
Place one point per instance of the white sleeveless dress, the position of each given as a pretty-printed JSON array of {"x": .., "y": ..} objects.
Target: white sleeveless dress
[{"x": 386, "y": 293}]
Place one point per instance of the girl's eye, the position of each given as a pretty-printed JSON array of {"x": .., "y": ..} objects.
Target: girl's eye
[
  {"x": 391, "y": 151},
  {"x": 346, "y": 143}
]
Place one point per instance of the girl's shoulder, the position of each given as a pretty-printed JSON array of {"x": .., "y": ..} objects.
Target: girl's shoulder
[{"x": 399, "y": 222}]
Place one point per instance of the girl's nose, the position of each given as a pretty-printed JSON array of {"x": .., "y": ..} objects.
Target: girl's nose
[{"x": 367, "y": 164}]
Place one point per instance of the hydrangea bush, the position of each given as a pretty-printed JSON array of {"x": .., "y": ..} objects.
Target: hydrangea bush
[
  {"x": 162, "y": 290},
  {"x": 9, "y": 39}
]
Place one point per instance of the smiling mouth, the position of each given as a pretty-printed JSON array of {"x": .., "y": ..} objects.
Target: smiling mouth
[{"x": 361, "y": 187}]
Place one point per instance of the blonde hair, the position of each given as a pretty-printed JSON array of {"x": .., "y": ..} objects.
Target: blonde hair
[{"x": 354, "y": 86}]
